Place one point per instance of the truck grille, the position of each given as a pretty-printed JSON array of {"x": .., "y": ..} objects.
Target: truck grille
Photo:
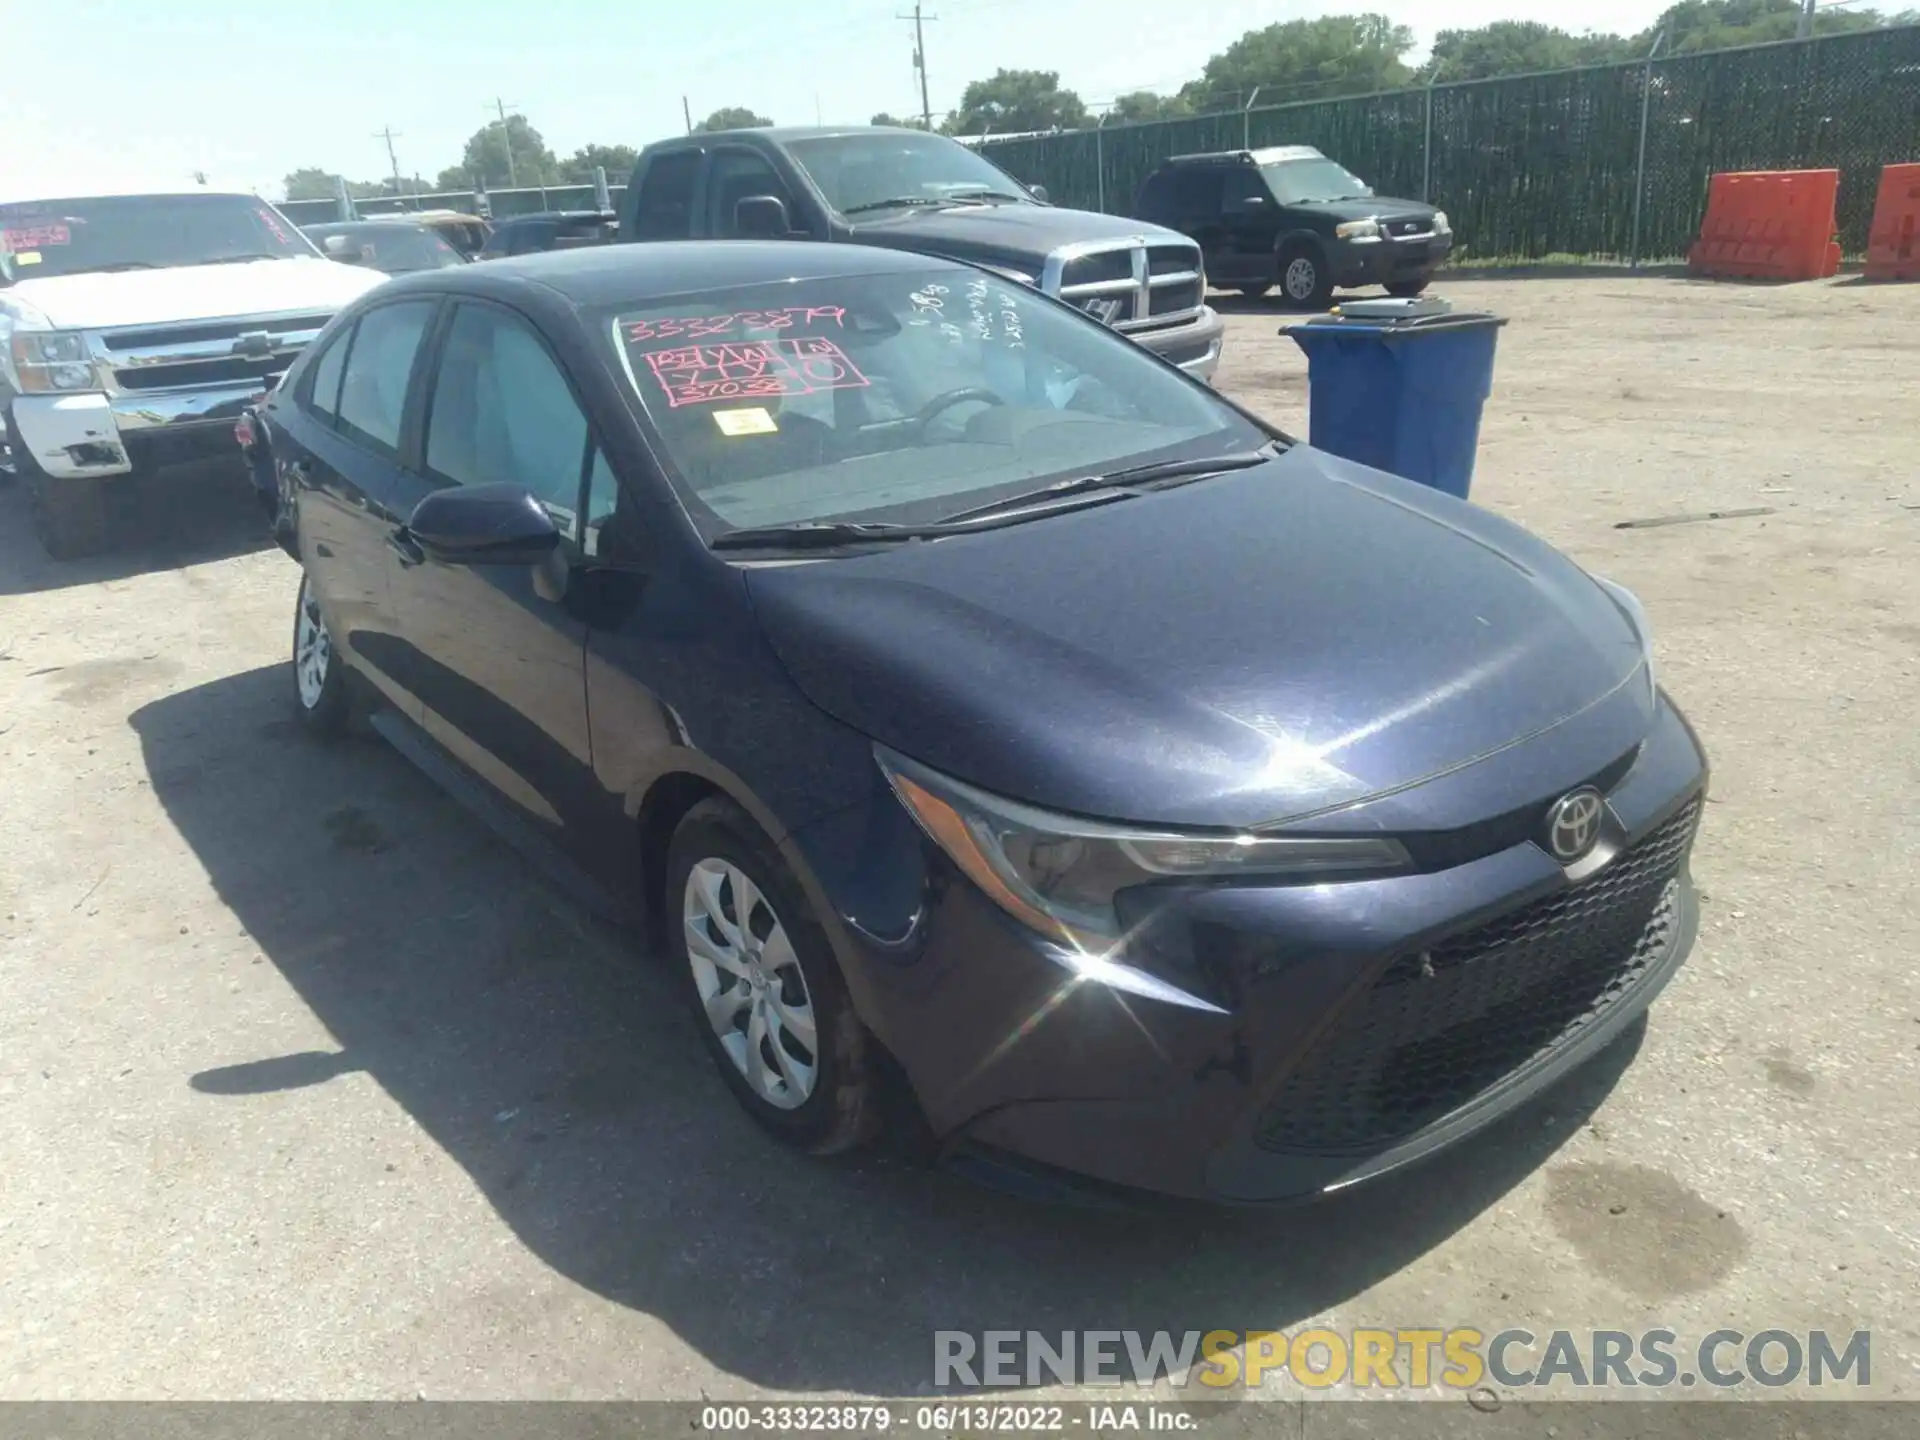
[
  {"x": 1129, "y": 284},
  {"x": 1440, "y": 1027},
  {"x": 214, "y": 352},
  {"x": 1401, "y": 229}
]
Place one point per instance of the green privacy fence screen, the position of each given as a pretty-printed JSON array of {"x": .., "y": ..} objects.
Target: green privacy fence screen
[{"x": 1546, "y": 164}]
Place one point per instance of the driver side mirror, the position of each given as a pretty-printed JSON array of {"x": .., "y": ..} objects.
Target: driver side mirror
[
  {"x": 483, "y": 525},
  {"x": 1039, "y": 192},
  {"x": 762, "y": 217}
]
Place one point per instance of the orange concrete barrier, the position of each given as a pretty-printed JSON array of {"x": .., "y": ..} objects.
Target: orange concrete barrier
[
  {"x": 1893, "y": 251},
  {"x": 1770, "y": 225}
]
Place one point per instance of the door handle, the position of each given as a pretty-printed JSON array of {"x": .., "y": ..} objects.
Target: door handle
[{"x": 405, "y": 546}]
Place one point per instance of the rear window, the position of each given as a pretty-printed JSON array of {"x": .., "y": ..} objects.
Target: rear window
[{"x": 141, "y": 232}]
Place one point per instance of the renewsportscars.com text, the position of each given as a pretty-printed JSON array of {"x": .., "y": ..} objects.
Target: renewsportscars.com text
[{"x": 1417, "y": 1359}]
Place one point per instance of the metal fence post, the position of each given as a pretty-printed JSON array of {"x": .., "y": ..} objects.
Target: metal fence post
[
  {"x": 1100, "y": 162},
  {"x": 1246, "y": 120},
  {"x": 1640, "y": 168},
  {"x": 1426, "y": 172}
]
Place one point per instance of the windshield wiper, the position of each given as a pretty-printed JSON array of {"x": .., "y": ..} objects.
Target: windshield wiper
[
  {"x": 809, "y": 533},
  {"x": 982, "y": 195},
  {"x": 240, "y": 259},
  {"x": 114, "y": 267},
  {"x": 896, "y": 201},
  {"x": 1121, "y": 482}
]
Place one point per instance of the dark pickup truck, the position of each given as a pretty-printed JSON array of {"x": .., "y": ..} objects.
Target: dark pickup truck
[{"x": 909, "y": 190}]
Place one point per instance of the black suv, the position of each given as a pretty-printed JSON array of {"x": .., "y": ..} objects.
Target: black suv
[
  {"x": 548, "y": 230},
  {"x": 1291, "y": 217},
  {"x": 908, "y": 190}
]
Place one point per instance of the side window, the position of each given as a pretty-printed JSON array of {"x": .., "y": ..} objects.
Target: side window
[
  {"x": 736, "y": 174},
  {"x": 1199, "y": 192},
  {"x": 666, "y": 197},
  {"x": 609, "y": 530},
  {"x": 373, "y": 392},
  {"x": 1244, "y": 193},
  {"x": 503, "y": 413},
  {"x": 323, "y": 394}
]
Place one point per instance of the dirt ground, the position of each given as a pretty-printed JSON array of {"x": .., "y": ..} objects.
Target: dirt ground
[{"x": 310, "y": 1088}]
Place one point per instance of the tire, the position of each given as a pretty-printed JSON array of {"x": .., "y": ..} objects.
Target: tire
[
  {"x": 1304, "y": 277},
  {"x": 752, "y": 997},
  {"x": 70, "y": 516},
  {"x": 320, "y": 694},
  {"x": 1408, "y": 289},
  {"x": 1255, "y": 292}
]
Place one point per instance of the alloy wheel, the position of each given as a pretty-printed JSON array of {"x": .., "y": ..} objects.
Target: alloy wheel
[
  {"x": 1302, "y": 279},
  {"x": 750, "y": 983},
  {"x": 312, "y": 649}
]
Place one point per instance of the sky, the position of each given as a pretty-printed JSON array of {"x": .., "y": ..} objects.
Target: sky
[{"x": 120, "y": 94}]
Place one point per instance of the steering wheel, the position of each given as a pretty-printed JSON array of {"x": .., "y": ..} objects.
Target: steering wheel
[{"x": 947, "y": 399}]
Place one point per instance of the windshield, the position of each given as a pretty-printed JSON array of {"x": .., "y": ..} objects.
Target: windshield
[
  {"x": 394, "y": 249},
  {"x": 1296, "y": 182},
  {"x": 900, "y": 398},
  {"x": 861, "y": 171},
  {"x": 142, "y": 232}
]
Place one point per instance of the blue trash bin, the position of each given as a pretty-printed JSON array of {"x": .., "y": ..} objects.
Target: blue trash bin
[{"x": 1403, "y": 396}]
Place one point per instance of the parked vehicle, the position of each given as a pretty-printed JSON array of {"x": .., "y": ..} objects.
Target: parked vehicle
[
  {"x": 909, "y": 190},
  {"x": 393, "y": 247},
  {"x": 466, "y": 233},
  {"x": 134, "y": 329},
  {"x": 1291, "y": 217},
  {"x": 549, "y": 230},
  {"x": 944, "y": 679}
]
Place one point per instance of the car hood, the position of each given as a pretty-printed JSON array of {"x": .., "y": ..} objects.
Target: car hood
[
  {"x": 193, "y": 292},
  {"x": 1373, "y": 207},
  {"x": 1241, "y": 651},
  {"x": 1014, "y": 234}
]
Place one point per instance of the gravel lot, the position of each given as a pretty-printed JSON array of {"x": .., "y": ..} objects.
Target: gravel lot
[{"x": 310, "y": 1088}]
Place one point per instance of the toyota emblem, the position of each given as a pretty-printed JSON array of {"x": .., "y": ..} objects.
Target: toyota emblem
[{"x": 1573, "y": 824}]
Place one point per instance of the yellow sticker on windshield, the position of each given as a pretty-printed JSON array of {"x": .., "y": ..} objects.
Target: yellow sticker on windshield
[
  {"x": 753, "y": 421},
  {"x": 27, "y": 257}
]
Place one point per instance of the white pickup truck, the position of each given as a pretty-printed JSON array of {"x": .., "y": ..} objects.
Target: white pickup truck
[{"x": 134, "y": 329}]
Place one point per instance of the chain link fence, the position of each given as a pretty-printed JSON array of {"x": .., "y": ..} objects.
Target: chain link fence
[{"x": 1546, "y": 165}]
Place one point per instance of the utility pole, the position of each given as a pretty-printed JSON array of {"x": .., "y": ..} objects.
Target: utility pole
[
  {"x": 506, "y": 139},
  {"x": 1806, "y": 20},
  {"x": 392, "y": 159},
  {"x": 686, "y": 113},
  {"x": 920, "y": 59}
]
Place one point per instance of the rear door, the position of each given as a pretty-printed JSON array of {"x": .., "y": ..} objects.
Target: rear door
[
  {"x": 1249, "y": 224},
  {"x": 496, "y": 652},
  {"x": 337, "y": 442},
  {"x": 663, "y": 208}
]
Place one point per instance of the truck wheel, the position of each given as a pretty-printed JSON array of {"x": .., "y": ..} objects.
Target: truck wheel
[
  {"x": 70, "y": 516},
  {"x": 1304, "y": 277},
  {"x": 1407, "y": 289}
]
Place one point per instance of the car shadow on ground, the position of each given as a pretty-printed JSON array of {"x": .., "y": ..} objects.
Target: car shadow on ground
[
  {"x": 181, "y": 515},
  {"x": 555, "y": 1064}
]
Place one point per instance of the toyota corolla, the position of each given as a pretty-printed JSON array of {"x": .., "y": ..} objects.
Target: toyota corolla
[{"x": 967, "y": 701}]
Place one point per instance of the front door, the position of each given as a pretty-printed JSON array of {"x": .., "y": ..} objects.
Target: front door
[
  {"x": 497, "y": 654},
  {"x": 1249, "y": 225}
]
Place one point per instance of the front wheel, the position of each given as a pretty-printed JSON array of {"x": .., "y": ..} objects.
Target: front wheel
[
  {"x": 1408, "y": 289},
  {"x": 1304, "y": 277},
  {"x": 70, "y": 515},
  {"x": 319, "y": 679},
  {"x": 766, "y": 992}
]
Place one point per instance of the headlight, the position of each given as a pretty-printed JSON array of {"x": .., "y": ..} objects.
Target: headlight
[
  {"x": 1442, "y": 225},
  {"x": 1358, "y": 230},
  {"x": 1060, "y": 875},
  {"x": 52, "y": 360},
  {"x": 1636, "y": 613}
]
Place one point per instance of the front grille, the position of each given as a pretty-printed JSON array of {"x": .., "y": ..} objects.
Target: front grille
[
  {"x": 1441, "y": 1026},
  {"x": 1128, "y": 284},
  {"x": 206, "y": 352},
  {"x": 203, "y": 372},
  {"x": 1098, "y": 269},
  {"x": 203, "y": 331},
  {"x": 1176, "y": 299},
  {"x": 1408, "y": 227},
  {"x": 1171, "y": 259}
]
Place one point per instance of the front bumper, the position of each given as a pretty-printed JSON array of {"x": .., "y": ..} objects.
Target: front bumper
[
  {"x": 1193, "y": 345},
  {"x": 1388, "y": 262},
  {"x": 1347, "y": 1029},
  {"x": 96, "y": 434}
]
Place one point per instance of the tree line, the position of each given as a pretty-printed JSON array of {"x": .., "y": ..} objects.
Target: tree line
[{"x": 1292, "y": 60}]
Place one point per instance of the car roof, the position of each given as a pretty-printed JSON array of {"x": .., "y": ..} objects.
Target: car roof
[
  {"x": 1271, "y": 155},
  {"x": 782, "y": 134},
  {"x": 556, "y": 215},
  {"x": 10, "y": 198},
  {"x": 366, "y": 222},
  {"x": 611, "y": 274}
]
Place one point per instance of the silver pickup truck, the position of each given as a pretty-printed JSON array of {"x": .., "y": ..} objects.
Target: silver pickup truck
[{"x": 134, "y": 329}]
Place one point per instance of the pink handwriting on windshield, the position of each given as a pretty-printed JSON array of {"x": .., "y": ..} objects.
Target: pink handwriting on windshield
[
  {"x": 701, "y": 327},
  {"x": 701, "y": 374},
  {"x": 36, "y": 237}
]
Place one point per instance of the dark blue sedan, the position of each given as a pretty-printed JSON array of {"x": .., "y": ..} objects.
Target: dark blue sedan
[{"x": 976, "y": 709}]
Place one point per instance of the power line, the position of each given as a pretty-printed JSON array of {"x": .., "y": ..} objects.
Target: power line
[{"x": 920, "y": 59}]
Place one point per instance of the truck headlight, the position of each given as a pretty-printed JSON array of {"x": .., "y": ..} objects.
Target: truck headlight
[
  {"x": 1358, "y": 230},
  {"x": 1442, "y": 225},
  {"x": 1059, "y": 874},
  {"x": 53, "y": 360}
]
